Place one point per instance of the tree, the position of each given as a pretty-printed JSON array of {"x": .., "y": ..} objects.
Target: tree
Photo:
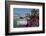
[{"x": 35, "y": 12}]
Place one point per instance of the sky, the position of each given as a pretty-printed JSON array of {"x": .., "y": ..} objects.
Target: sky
[{"x": 22, "y": 10}]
